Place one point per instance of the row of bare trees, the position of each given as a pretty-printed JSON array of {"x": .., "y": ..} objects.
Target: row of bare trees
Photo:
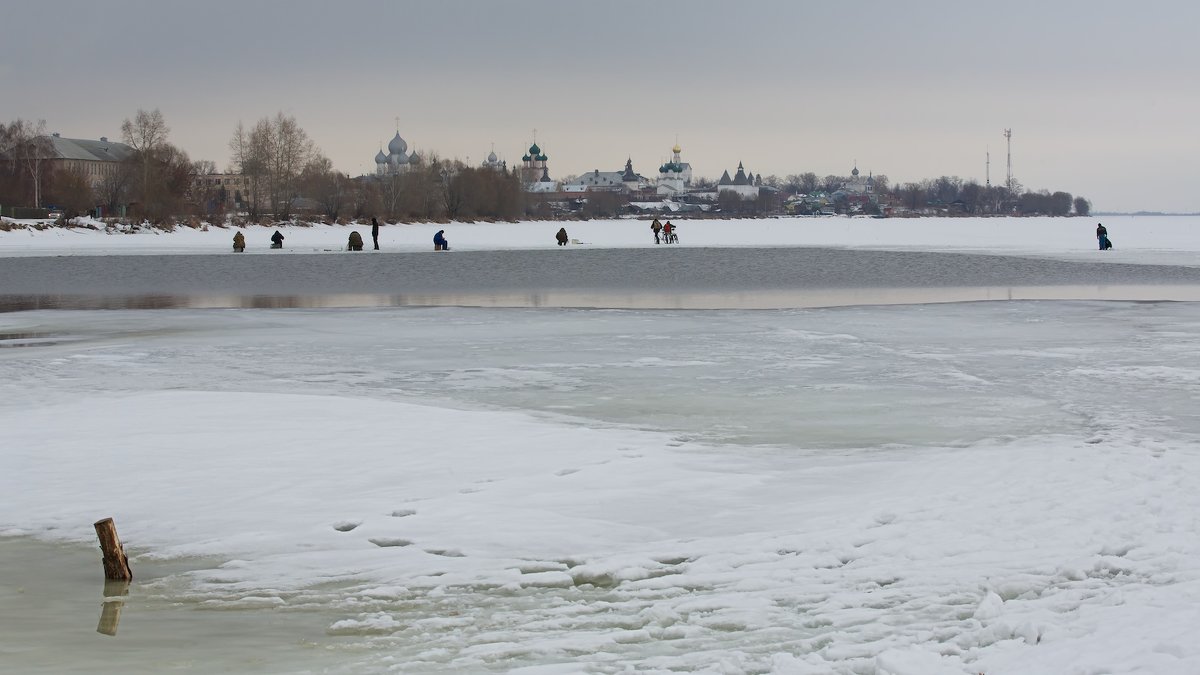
[
  {"x": 951, "y": 193},
  {"x": 25, "y": 150},
  {"x": 152, "y": 181}
]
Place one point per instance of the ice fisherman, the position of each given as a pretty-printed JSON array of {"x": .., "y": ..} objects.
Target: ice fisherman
[
  {"x": 375, "y": 232},
  {"x": 356, "y": 242},
  {"x": 439, "y": 241},
  {"x": 669, "y": 232},
  {"x": 656, "y": 227},
  {"x": 239, "y": 242},
  {"x": 277, "y": 239},
  {"x": 561, "y": 236},
  {"x": 1102, "y": 237}
]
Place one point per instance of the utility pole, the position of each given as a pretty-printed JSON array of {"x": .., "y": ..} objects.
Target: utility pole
[
  {"x": 1008, "y": 139},
  {"x": 988, "y": 168}
]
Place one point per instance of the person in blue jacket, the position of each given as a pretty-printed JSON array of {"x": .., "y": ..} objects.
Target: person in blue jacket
[{"x": 439, "y": 241}]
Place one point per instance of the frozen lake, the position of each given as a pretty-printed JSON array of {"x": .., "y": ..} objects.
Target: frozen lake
[
  {"x": 811, "y": 458},
  {"x": 1005, "y": 487}
]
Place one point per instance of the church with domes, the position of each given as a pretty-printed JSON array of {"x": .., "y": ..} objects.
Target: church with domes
[
  {"x": 674, "y": 176},
  {"x": 533, "y": 166},
  {"x": 493, "y": 162},
  {"x": 397, "y": 160}
]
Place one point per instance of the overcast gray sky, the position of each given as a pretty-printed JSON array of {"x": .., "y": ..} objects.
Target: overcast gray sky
[{"x": 1101, "y": 96}]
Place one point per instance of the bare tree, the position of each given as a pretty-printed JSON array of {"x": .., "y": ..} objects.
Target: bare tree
[
  {"x": 275, "y": 153},
  {"x": 249, "y": 158},
  {"x": 145, "y": 134},
  {"x": 71, "y": 190},
  {"x": 27, "y": 146},
  {"x": 1082, "y": 206},
  {"x": 204, "y": 167},
  {"x": 809, "y": 182},
  {"x": 329, "y": 188},
  {"x": 113, "y": 191}
]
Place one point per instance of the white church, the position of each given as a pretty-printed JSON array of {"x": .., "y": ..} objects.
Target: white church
[{"x": 398, "y": 160}]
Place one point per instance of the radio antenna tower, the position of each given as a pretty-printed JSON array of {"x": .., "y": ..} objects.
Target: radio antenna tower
[
  {"x": 988, "y": 167},
  {"x": 1008, "y": 183}
]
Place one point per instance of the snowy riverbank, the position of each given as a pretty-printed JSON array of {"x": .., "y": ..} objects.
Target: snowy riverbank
[{"x": 1161, "y": 239}]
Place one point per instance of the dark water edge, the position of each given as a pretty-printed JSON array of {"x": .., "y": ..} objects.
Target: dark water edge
[
  {"x": 695, "y": 278},
  {"x": 663, "y": 270},
  {"x": 761, "y": 299}
]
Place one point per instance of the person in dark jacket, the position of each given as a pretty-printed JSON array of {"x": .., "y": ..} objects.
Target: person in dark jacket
[
  {"x": 439, "y": 241},
  {"x": 277, "y": 239},
  {"x": 239, "y": 242},
  {"x": 561, "y": 236},
  {"x": 1102, "y": 237},
  {"x": 375, "y": 232},
  {"x": 356, "y": 242},
  {"x": 656, "y": 227}
]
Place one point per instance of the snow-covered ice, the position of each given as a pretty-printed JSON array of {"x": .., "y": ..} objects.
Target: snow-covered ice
[
  {"x": 1146, "y": 239},
  {"x": 966, "y": 488}
]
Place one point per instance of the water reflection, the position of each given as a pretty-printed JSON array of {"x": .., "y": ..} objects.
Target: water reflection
[
  {"x": 115, "y": 593},
  {"x": 748, "y": 299}
]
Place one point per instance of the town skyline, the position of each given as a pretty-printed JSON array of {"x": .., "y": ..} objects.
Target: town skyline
[{"x": 912, "y": 93}]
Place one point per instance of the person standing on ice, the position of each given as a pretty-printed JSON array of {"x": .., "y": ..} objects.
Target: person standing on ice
[
  {"x": 656, "y": 227},
  {"x": 1102, "y": 237},
  {"x": 277, "y": 239},
  {"x": 439, "y": 241},
  {"x": 375, "y": 232}
]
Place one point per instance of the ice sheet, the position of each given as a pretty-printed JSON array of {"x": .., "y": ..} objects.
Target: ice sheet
[{"x": 1001, "y": 488}]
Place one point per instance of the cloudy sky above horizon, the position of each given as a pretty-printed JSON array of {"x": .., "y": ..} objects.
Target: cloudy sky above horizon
[{"x": 1101, "y": 95}]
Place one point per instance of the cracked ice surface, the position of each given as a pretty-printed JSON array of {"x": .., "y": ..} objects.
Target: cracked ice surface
[{"x": 998, "y": 487}]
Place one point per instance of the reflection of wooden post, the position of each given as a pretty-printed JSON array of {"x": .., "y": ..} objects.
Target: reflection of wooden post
[
  {"x": 114, "y": 602},
  {"x": 110, "y": 616},
  {"x": 116, "y": 565}
]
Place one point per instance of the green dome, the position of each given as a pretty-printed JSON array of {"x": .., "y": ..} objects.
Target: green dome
[
  {"x": 535, "y": 150},
  {"x": 541, "y": 158},
  {"x": 526, "y": 158}
]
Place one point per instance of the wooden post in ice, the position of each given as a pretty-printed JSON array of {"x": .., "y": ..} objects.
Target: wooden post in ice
[{"x": 116, "y": 565}]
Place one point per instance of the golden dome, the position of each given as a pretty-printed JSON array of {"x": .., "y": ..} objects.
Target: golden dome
[{"x": 677, "y": 149}]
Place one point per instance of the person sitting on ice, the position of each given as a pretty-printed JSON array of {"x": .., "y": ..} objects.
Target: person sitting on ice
[
  {"x": 356, "y": 242},
  {"x": 561, "y": 236},
  {"x": 239, "y": 242},
  {"x": 277, "y": 239},
  {"x": 439, "y": 241}
]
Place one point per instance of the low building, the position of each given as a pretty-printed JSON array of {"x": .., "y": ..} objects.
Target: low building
[
  {"x": 625, "y": 181},
  {"x": 94, "y": 160},
  {"x": 216, "y": 191}
]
